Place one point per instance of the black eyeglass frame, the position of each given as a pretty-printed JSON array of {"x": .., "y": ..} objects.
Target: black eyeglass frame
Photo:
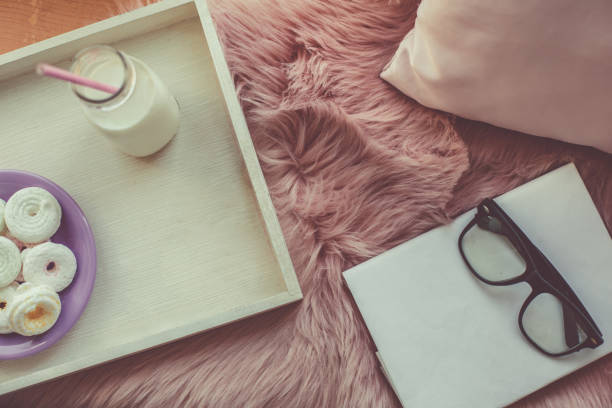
[{"x": 539, "y": 273}]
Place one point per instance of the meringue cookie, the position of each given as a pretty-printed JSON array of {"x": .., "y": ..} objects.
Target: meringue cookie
[
  {"x": 23, "y": 288},
  {"x": 20, "y": 244},
  {"x": 49, "y": 264},
  {"x": 32, "y": 215},
  {"x": 6, "y": 300},
  {"x": 10, "y": 262},
  {"x": 34, "y": 309},
  {"x": 2, "y": 204}
]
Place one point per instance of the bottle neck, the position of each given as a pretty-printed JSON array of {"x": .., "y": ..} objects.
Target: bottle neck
[{"x": 108, "y": 65}]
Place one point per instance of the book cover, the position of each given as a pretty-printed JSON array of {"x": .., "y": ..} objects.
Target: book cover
[{"x": 446, "y": 339}]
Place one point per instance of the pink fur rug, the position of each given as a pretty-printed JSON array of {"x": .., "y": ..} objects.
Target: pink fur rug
[{"x": 354, "y": 168}]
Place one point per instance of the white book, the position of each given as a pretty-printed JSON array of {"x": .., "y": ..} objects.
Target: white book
[{"x": 446, "y": 339}]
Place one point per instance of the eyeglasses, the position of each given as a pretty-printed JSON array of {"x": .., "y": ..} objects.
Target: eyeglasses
[{"x": 498, "y": 253}]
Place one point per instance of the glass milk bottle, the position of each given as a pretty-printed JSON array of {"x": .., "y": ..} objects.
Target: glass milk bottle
[{"x": 138, "y": 119}]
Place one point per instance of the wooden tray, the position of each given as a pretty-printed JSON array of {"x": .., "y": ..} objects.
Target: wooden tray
[{"x": 187, "y": 239}]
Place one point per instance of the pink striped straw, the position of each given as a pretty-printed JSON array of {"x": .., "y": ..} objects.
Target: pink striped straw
[{"x": 55, "y": 72}]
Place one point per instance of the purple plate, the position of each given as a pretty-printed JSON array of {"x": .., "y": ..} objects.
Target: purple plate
[{"x": 76, "y": 234}]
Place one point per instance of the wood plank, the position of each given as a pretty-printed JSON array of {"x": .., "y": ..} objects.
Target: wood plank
[
  {"x": 27, "y": 22},
  {"x": 248, "y": 150},
  {"x": 108, "y": 31}
]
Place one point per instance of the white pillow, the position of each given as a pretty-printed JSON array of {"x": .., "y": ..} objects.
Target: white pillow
[{"x": 537, "y": 66}]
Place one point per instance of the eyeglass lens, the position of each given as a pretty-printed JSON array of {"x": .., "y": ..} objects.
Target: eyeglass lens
[
  {"x": 491, "y": 255},
  {"x": 551, "y": 325}
]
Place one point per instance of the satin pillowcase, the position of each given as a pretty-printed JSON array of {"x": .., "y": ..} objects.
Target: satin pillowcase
[{"x": 542, "y": 67}]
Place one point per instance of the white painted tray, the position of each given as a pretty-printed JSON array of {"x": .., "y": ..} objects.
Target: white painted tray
[{"x": 187, "y": 239}]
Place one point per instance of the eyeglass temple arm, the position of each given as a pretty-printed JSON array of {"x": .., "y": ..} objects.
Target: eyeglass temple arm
[
  {"x": 570, "y": 327},
  {"x": 561, "y": 284},
  {"x": 539, "y": 258}
]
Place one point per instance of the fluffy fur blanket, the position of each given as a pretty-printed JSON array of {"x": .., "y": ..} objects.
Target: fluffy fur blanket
[{"x": 354, "y": 168}]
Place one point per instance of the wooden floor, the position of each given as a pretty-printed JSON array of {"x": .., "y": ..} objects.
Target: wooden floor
[{"x": 24, "y": 22}]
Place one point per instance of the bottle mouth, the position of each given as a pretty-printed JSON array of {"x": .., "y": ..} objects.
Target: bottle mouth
[{"x": 91, "y": 56}]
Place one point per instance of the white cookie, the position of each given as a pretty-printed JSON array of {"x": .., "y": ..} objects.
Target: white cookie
[
  {"x": 10, "y": 261},
  {"x": 20, "y": 244},
  {"x": 49, "y": 264},
  {"x": 32, "y": 215},
  {"x": 34, "y": 309},
  {"x": 6, "y": 300}
]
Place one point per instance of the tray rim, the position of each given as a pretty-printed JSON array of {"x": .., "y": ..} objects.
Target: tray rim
[
  {"x": 245, "y": 143},
  {"x": 130, "y": 24}
]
